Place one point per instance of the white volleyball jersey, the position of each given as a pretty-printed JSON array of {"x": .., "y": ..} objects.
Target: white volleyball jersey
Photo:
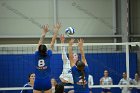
[
  {"x": 90, "y": 80},
  {"x": 66, "y": 72},
  {"x": 137, "y": 82},
  {"x": 106, "y": 81},
  {"x": 125, "y": 82}
]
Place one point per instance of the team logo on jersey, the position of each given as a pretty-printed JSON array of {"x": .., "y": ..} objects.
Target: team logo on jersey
[{"x": 42, "y": 68}]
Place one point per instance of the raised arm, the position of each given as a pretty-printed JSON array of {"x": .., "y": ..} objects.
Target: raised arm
[
  {"x": 71, "y": 52},
  {"x": 64, "y": 55},
  {"x": 56, "y": 29},
  {"x": 80, "y": 46},
  {"x": 45, "y": 30}
]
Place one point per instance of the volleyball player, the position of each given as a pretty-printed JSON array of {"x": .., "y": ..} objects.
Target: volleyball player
[
  {"x": 66, "y": 76},
  {"x": 106, "y": 80},
  {"x": 42, "y": 59},
  {"x": 79, "y": 70},
  {"x": 30, "y": 83},
  {"x": 125, "y": 81},
  {"x": 136, "y": 81},
  {"x": 90, "y": 82}
]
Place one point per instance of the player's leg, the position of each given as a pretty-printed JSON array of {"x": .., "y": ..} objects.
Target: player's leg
[
  {"x": 36, "y": 91},
  {"x": 48, "y": 91}
]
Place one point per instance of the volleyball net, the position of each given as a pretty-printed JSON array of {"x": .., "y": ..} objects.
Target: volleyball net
[{"x": 17, "y": 61}]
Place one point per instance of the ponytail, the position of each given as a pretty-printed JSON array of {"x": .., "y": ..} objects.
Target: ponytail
[
  {"x": 80, "y": 66},
  {"x": 83, "y": 78}
]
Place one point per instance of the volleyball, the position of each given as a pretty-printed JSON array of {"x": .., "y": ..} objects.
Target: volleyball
[{"x": 69, "y": 31}]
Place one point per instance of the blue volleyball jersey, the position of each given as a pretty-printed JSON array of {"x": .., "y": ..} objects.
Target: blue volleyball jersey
[
  {"x": 42, "y": 64},
  {"x": 78, "y": 83},
  {"x": 27, "y": 91}
]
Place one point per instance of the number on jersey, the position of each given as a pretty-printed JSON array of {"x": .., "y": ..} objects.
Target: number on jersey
[{"x": 41, "y": 63}]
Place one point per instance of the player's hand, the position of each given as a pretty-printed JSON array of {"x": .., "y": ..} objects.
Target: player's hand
[
  {"x": 56, "y": 27},
  {"x": 80, "y": 43},
  {"x": 62, "y": 38},
  {"x": 45, "y": 29},
  {"x": 71, "y": 42}
]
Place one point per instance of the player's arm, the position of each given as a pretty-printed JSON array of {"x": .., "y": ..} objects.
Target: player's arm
[
  {"x": 120, "y": 83},
  {"x": 56, "y": 30},
  {"x": 64, "y": 55},
  {"x": 45, "y": 30},
  {"x": 101, "y": 81},
  {"x": 80, "y": 45},
  {"x": 71, "y": 52},
  {"x": 111, "y": 81}
]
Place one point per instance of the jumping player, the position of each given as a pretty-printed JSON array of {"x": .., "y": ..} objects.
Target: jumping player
[
  {"x": 66, "y": 76},
  {"x": 42, "y": 65},
  {"x": 80, "y": 70}
]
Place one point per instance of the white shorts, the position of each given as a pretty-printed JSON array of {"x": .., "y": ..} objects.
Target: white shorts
[{"x": 68, "y": 77}]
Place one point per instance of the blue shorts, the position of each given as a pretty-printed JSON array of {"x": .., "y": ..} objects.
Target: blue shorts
[
  {"x": 106, "y": 90},
  {"x": 42, "y": 84}
]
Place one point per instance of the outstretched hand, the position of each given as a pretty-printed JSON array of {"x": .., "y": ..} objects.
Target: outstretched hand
[
  {"x": 80, "y": 43},
  {"x": 56, "y": 27},
  {"x": 45, "y": 28}
]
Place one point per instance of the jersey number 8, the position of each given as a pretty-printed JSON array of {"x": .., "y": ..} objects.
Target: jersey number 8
[{"x": 41, "y": 63}]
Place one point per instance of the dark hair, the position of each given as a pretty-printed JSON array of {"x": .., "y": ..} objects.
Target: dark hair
[
  {"x": 59, "y": 88},
  {"x": 42, "y": 49},
  {"x": 80, "y": 66},
  {"x": 29, "y": 76}
]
